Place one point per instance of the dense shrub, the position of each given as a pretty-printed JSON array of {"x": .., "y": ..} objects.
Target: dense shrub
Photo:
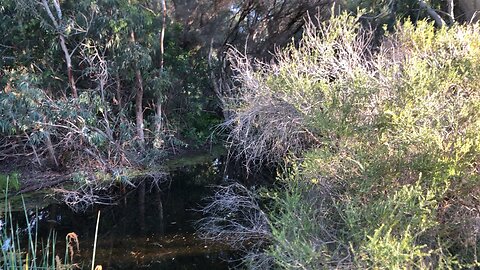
[{"x": 389, "y": 130}]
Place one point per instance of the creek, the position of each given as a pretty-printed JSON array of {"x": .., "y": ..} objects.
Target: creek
[{"x": 146, "y": 228}]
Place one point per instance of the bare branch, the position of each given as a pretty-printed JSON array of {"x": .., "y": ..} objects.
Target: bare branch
[
  {"x": 58, "y": 9},
  {"x": 50, "y": 15},
  {"x": 438, "y": 20},
  {"x": 84, "y": 197}
]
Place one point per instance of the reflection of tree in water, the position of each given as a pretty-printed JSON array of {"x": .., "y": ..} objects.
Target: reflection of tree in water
[
  {"x": 154, "y": 206},
  {"x": 161, "y": 223},
  {"x": 141, "y": 206}
]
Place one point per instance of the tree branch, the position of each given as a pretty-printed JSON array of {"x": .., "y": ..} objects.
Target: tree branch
[
  {"x": 58, "y": 9},
  {"x": 50, "y": 14},
  {"x": 438, "y": 20}
]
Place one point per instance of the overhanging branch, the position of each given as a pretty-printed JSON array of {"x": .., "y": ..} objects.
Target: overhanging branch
[{"x": 435, "y": 16}]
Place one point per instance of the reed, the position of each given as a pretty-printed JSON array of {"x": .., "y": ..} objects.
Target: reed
[
  {"x": 36, "y": 254},
  {"x": 95, "y": 242}
]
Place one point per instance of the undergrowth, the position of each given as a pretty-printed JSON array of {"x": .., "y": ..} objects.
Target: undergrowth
[{"x": 385, "y": 143}]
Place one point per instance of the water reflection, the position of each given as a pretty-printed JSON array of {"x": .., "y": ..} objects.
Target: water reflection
[{"x": 149, "y": 228}]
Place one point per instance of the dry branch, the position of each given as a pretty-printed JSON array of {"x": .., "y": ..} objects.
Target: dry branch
[{"x": 233, "y": 214}]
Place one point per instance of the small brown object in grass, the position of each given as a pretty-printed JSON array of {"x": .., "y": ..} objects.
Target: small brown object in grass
[{"x": 72, "y": 239}]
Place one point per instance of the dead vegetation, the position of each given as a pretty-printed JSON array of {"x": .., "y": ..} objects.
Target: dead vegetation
[{"x": 233, "y": 213}]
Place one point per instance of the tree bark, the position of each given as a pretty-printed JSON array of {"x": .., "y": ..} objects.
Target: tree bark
[
  {"x": 158, "y": 109},
  {"x": 450, "y": 11},
  {"x": 139, "y": 108},
  {"x": 162, "y": 33},
  {"x": 438, "y": 20},
  {"x": 119, "y": 92},
  {"x": 138, "y": 101},
  {"x": 68, "y": 60},
  {"x": 51, "y": 150}
]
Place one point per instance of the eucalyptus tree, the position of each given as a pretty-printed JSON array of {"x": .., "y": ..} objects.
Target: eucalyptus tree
[
  {"x": 61, "y": 28},
  {"x": 111, "y": 71}
]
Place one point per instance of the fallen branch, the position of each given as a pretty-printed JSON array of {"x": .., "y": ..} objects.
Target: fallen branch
[{"x": 45, "y": 182}]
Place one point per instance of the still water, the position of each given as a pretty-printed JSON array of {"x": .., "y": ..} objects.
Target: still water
[{"x": 150, "y": 227}]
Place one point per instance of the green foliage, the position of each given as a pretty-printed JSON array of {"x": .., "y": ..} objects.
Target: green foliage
[
  {"x": 392, "y": 232},
  {"x": 396, "y": 144},
  {"x": 109, "y": 43},
  {"x": 300, "y": 233},
  {"x": 200, "y": 127}
]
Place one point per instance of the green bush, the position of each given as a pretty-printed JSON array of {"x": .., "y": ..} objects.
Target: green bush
[
  {"x": 390, "y": 129},
  {"x": 304, "y": 236}
]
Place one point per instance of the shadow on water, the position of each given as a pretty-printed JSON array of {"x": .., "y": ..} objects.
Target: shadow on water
[{"x": 150, "y": 227}]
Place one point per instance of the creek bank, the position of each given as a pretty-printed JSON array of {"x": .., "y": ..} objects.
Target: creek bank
[{"x": 25, "y": 177}]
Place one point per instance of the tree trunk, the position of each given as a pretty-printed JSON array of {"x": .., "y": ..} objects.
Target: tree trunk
[
  {"x": 139, "y": 108},
  {"x": 158, "y": 109},
  {"x": 119, "y": 92},
  {"x": 51, "y": 150},
  {"x": 68, "y": 60},
  {"x": 162, "y": 33},
  {"x": 450, "y": 9},
  {"x": 138, "y": 102}
]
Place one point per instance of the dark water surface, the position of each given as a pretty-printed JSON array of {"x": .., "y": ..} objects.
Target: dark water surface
[{"x": 147, "y": 228}]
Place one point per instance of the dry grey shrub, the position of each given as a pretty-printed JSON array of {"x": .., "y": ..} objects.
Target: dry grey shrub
[
  {"x": 234, "y": 216},
  {"x": 271, "y": 106},
  {"x": 259, "y": 129}
]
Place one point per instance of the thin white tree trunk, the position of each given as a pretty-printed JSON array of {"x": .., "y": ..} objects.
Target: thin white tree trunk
[
  {"x": 158, "y": 115},
  {"x": 139, "y": 108},
  {"x": 61, "y": 36},
  {"x": 450, "y": 10}
]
